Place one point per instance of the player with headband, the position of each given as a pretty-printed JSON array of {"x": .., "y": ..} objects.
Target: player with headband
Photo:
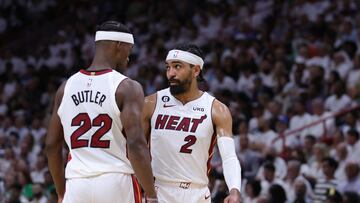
[
  {"x": 97, "y": 112},
  {"x": 183, "y": 124}
]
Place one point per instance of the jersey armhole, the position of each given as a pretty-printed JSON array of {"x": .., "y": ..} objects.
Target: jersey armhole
[
  {"x": 156, "y": 105},
  {"x": 61, "y": 108},
  {"x": 212, "y": 120},
  {"x": 115, "y": 88}
]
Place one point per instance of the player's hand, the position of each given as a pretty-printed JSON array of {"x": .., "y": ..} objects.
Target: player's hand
[
  {"x": 151, "y": 200},
  {"x": 234, "y": 197},
  {"x": 60, "y": 199}
]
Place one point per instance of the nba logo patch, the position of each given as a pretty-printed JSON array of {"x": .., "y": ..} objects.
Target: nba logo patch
[{"x": 175, "y": 54}]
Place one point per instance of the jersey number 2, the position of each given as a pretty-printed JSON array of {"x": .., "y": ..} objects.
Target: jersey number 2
[
  {"x": 83, "y": 120},
  {"x": 190, "y": 139}
]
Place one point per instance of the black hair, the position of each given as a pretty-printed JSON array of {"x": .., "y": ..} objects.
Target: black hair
[
  {"x": 277, "y": 194},
  {"x": 269, "y": 166},
  {"x": 113, "y": 26},
  {"x": 353, "y": 132},
  {"x": 311, "y": 137},
  {"x": 256, "y": 187},
  {"x": 332, "y": 162},
  {"x": 192, "y": 48}
]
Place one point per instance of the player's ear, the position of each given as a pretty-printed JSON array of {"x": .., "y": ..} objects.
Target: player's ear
[{"x": 197, "y": 70}]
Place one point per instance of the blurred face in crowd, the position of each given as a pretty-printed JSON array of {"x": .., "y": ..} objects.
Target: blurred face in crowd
[
  {"x": 308, "y": 144},
  {"x": 341, "y": 151},
  {"x": 337, "y": 89},
  {"x": 265, "y": 66},
  {"x": 327, "y": 169},
  {"x": 180, "y": 75},
  {"x": 319, "y": 152},
  {"x": 317, "y": 107},
  {"x": 293, "y": 170},
  {"x": 352, "y": 170},
  {"x": 351, "y": 139},
  {"x": 243, "y": 128},
  {"x": 244, "y": 142},
  {"x": 299, "y": 108},
  {"x": 269, "y": 175}
]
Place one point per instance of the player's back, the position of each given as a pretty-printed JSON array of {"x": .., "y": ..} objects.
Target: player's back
[
  {"x": 182, "y": 138},
  {"x": 92, "y": 127}
]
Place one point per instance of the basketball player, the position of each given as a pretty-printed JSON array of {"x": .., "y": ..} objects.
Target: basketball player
[
  {"x": 184, "y": 124},
  {"x": 98, "y": 113}
]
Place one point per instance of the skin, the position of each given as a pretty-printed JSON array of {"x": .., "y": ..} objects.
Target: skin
[
  {"x": 177, "y": 71},
  {"x": 130, "y": 100}
]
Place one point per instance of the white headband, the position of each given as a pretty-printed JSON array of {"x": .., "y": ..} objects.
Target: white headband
[
  {"x": 185, "y": 56},
  {"x": 114, "y": 36}
]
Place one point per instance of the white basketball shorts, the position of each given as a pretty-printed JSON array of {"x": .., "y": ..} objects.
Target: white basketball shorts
[
  {"x": 182, "y": 192},
  {"x": 105, "y": 188}
]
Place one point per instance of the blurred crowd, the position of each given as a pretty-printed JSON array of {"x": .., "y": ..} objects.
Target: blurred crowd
[{"x": 288, "y": 70}]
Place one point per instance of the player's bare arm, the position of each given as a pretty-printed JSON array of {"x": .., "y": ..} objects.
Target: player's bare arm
[
  {"x": 223, "y": 124},
  {"x": 54, "y": 146},
  {"x": 149, "y": 108},
  {"x": 130, "y": 100}
]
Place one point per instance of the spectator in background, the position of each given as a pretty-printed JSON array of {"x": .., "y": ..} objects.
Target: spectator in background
[
  {"x": 341, "y": 157},
  {"x": 323, "y": 128},
  {"x": 316, "y": 167},
  {"x": 352, "y": 183},
  {"x": 300, "y": 119},
  {"x": 252, "y": 191},
  {"x": 329, "y": 166},
  {"x": 293, "y": 176},
  {"x": 250, "y": 160},
  {"x": 301, "y": 192},
  {"x": 277, "y": 194},
  {"x": 269, "y": 178},
  {"x": 353, "y": 143},
  {"x": 308, "y": 147},
  {"x": 338, "y": 100}
]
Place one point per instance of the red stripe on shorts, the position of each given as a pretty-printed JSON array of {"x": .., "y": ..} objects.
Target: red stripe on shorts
[{"x": 137, "y": 191}]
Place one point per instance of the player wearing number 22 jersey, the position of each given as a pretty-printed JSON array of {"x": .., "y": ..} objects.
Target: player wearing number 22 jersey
[
  {"x": 98, "y": 113},
  {"x": 183, "y": 124}
]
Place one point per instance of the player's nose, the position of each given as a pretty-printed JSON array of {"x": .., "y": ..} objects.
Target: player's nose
[{"x": 171, "y": 72}]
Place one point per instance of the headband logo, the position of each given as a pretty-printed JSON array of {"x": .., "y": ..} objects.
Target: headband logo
[{"x": 176, "y": 53}]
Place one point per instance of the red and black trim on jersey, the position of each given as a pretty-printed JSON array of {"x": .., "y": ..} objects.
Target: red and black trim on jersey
[
  {"x": 96, "y": 72},
  {"x": 211, "y": 152}
]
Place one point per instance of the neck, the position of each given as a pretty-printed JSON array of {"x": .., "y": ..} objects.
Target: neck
[
  {"x": 190, "y": 95},
  {"x": 102, "y": 61}
]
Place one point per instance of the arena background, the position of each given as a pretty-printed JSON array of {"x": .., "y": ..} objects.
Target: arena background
[{"x": 289, "y": 70}]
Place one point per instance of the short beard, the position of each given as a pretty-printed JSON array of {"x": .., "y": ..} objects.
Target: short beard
[{"x": 180, "y": 88}]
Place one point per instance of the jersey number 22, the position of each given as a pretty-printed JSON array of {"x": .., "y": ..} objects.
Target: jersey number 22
[{"x": 103, "y": 121}]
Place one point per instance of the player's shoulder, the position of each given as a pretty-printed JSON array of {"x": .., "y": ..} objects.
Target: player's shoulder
[
  {"x": 219, "y": 106},
  {"x": 220, "y": 112},
  {"x": 129, "y": 86},
  {"x": 151, "y": 98}
]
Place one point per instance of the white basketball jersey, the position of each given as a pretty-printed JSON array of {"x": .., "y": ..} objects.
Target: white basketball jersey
[
  {"x": 182, "y": 138},
  {"x": 92, "y": 127}
]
